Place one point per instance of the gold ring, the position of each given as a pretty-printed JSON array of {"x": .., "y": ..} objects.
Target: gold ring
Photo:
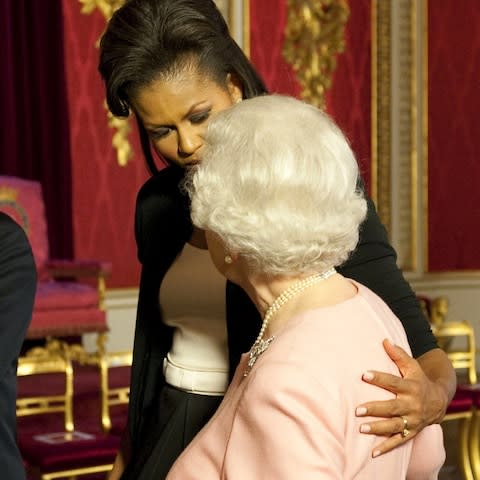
[{"x": 405, "y": 431}]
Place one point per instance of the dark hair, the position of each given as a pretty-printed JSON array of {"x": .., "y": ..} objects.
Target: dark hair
[{"x": 149, "y": 39}]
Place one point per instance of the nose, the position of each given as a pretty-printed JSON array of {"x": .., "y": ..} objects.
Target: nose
[{"x": 189, "y": 141}]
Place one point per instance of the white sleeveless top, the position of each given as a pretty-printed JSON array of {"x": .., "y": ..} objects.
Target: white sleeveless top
[{"x": 192, "y": 297}]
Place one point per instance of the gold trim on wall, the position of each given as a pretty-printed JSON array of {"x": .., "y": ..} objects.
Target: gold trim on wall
[
  {"x": 397, "y": 173},
  {"x": 314, "y": 35},
  {"x": 414, "y": 172},
  {"x": 246, "y": 27},
  {"x": 381, "y": 109},
  {"x": 107, "y": 7},
  {"x": 424, "y": 187}
]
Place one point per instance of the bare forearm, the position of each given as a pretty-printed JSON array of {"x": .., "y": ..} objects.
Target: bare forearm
[{"x": 439, "y": 370}]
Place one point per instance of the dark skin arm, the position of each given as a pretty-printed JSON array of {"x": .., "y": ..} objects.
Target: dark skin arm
[{"x": 422, "y": 395}]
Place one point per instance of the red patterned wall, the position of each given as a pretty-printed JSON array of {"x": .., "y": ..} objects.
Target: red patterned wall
[
  {"x": 454, "y": 133},
  {"x": 267, "y": 24},
  {"x": 348, "y": 100},
  {"x": 103, "y": 192}
]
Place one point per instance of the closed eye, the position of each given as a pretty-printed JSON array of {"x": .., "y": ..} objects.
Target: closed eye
[
  {"x": 159, "y": 133},
  {"x": 200, "y": 117}
]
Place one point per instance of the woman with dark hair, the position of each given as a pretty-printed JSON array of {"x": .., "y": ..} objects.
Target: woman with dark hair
[{"x": 173, "y": 64}]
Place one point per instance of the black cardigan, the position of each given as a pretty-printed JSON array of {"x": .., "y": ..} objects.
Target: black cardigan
[{"x": 162, "y": 227}]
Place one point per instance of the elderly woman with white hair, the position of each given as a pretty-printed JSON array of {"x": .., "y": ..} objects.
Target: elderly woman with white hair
[{"x": 277, "y": 194}]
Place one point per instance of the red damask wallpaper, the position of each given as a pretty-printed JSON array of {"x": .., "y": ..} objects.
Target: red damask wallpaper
[
  {"x": 348, "y": 100},
  {"x": 453, "y": 135},
  {"x": 103, "y": 192}
]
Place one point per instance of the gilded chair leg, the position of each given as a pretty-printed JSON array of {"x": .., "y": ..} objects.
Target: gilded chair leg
[
  {"x": 463, "y": 453},
  {"x": 474, "y": 443},
  {"x": 69, "y": 426},
  {"x": 105, "y": 413}
]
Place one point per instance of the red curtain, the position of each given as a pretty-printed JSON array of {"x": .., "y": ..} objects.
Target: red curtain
[{"x": 34, "y": 130}]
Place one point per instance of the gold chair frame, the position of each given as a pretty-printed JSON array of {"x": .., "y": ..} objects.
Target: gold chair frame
[
  {"x": 41, "y": 361},
  {"x": 463, "y": 359},
  {"x": 112, "y": 396}
]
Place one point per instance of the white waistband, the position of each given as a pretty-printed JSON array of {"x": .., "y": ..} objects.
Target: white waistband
[{"x": 195, "y": 381}]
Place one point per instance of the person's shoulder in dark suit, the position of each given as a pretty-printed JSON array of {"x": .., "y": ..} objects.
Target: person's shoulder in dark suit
[{"x": 18, "y": 280}]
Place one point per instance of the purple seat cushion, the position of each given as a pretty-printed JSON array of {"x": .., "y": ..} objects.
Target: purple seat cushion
[
  {"x": 53, "y": 452},
  {"x": 463, "y": 400}
]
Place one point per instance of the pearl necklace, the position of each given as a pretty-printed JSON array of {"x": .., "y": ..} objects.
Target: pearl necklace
[{"x": 260, "y": 345}]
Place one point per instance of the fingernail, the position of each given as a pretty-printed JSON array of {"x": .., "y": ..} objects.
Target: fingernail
[
  {"x": 376, "y": 453},
  {"x": 365, "y": 428},
  {"x": 367, "y": 376},
  {"x": 360, "y": 411}
]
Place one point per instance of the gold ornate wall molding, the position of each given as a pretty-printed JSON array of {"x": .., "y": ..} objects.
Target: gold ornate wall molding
[
  {"x": 314, "y": 35},
  {"x": 397, "y": 160},
  {"x": 106, "y": 7},
  {"x": 381, "y": 108}
]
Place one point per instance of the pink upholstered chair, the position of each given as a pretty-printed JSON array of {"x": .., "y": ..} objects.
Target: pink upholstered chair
[{"x": 64, "y": 306}]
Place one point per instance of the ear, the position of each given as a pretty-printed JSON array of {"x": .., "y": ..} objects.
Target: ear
[{"x": 234, "y": 87}]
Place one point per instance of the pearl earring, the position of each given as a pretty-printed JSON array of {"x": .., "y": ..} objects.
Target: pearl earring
[{"x": 228, "y": 259}]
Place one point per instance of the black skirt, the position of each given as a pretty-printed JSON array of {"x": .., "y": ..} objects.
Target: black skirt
[{"x": 179, "y": 417}]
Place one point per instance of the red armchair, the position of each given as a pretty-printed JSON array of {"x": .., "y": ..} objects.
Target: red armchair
[{"x": 64, "y": 306}]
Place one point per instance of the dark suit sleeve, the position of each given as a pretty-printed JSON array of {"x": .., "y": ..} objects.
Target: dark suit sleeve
[
  {"x": 17, "y": 292},
  {"x": 374, "y": 263}
]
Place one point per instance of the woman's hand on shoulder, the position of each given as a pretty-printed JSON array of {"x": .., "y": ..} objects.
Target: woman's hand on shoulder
[{"x": 420, "y": 401}]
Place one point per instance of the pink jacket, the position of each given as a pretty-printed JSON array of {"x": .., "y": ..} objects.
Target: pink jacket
[{"x": 293, "y": 416}]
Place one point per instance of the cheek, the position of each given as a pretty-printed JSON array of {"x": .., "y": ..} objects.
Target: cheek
[{"x": 167, "y": 149}]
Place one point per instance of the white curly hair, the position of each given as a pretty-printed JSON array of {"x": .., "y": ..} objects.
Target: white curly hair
[{"x": 278, "y": 182}]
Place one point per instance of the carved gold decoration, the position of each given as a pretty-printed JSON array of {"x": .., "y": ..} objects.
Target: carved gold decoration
[
  {"x": 424, "y": 145},
  {"x": 314, "y": 35},
  {"x": 121, "y": 126},
  {"x": 120, "y": 138},
  {"x": 107, "y": 7},
  {"x": 381, "y": 110}
]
